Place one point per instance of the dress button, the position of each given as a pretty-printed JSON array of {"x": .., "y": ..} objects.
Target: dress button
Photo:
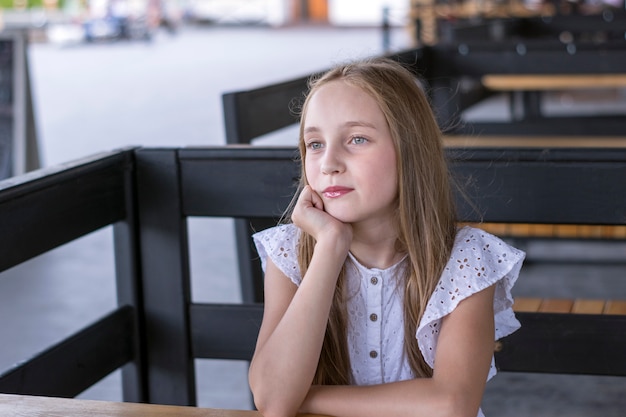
[
  {"x": 374, "y": 280},
  {"x": 373, "y": 354},
  {"x": 373, "y": 317}
]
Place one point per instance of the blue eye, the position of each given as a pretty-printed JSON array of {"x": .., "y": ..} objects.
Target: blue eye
[
  {"x": 358, "y": 140},
  {"x": 314, "y": 145}
]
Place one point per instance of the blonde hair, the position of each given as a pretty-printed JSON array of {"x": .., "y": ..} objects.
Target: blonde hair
[{"x": 425, "y": 220}]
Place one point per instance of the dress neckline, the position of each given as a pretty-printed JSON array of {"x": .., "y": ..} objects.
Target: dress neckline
[{"x": 362, "y": 267}]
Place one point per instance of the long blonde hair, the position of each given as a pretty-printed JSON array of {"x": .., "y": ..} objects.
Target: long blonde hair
[{"x": 426, "y": 220}]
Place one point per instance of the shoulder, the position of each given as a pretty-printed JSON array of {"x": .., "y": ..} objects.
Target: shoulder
[
  {"x": 479, "y": 254},
  {"x": 478, "y": 260},
  {"x": 280, "y": 244}
]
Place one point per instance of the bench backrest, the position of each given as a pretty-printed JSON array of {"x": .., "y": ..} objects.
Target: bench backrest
[
  {"x": 158, "y": 331},
  {"x": 451, "y": 75}
]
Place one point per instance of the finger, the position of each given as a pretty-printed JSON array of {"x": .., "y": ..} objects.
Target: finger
[
  {"x": 306, "y": 197},
  {"x": 316, "y": 199}
]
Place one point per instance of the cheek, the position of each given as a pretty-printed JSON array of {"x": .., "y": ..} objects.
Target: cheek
[
  {"x": 386, "y": 171},
  {"x": 310, "y": 172}
]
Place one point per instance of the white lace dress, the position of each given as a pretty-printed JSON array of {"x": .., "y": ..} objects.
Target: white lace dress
[{"x": 375, "y": 328}]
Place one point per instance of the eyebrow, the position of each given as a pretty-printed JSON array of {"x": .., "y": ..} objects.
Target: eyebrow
[{"x": 355, "y": 123}]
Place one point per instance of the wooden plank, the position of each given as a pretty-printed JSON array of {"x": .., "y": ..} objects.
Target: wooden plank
[
  {"x": 618, "y": 232},
  {"x": 253, "y": 182},
  {"x": 615, "y": 307},
  {"x": 530, "y": 305},
  {"x": 556, "y": 305},
  {"x": 507, "y": 184},
  {"x": 597, "y": 125},
  {"x": 252, "y": 113},
  {"x": 516, "y": 141},
  {"x": 36, "y": 406},
  {"x": 560, "y": 343},
  {"x": 78, "y": 198},
  {"x": 225, "y": 331},
  {"x": 579, "y": 231},
  {"x": 588, "y": 306},
  {"x": 578, "y": 306},
  {"x": 78, "y": 362},
  {"x": 165, "y": 277},
  {"x": 566, "y": 231},
  {"x": 126, "y": 247},
  {"x": 516, "y": 82},
  {"x": 518, "y": 229},
  {"x": 546, "y": 230}
]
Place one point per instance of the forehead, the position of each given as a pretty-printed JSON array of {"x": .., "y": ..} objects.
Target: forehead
[{"x": 341, "y": 100}]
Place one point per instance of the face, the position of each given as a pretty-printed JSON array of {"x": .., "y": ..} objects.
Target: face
[{"x": 350, "y": 158}]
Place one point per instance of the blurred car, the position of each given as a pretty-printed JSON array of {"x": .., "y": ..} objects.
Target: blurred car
[{"x": 103, "y": 29}]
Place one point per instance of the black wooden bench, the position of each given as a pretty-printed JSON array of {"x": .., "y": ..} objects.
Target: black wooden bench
[
  {"x": 454, "y": 76},
  {"x": 157, "y": 330}
]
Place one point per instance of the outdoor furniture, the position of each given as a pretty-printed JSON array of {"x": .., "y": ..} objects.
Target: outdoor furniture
[{"x": 157, "y": 330}]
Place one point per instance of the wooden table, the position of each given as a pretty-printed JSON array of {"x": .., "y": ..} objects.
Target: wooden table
[
  {"x": 540, "y": 141},
  {"x": 528, "y": 88},
  {"x": 33, "y": 406},
  {"x": 509, "y": 82}
]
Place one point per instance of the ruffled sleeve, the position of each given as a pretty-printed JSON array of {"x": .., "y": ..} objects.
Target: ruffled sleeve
[
  {"x": 478, "y": 261},
  {"x": 280, "y": 244}
]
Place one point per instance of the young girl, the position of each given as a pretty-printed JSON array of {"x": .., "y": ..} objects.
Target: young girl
[{"x": 376, "y": 304}]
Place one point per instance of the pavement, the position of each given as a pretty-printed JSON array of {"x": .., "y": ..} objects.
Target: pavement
[{"x": 90, "y": 98}]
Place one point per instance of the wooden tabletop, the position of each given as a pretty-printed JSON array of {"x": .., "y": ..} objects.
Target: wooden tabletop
[
  {"x": 509, "y": 82},
  {"x": 33, "y": 406},
  {"x": 504, "y": 141}
]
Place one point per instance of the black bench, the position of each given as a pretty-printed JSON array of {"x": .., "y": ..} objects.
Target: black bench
[
  {"x": 453, "y": 76},
  {"x": 157, "y": 330}
]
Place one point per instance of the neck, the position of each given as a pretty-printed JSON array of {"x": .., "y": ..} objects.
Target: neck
[{"x": 375, "y": 247}]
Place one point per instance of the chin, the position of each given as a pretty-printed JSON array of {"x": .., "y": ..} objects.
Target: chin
[{"x": 342, "y": 216}]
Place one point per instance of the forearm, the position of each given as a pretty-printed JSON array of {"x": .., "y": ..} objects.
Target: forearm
[
  {"x": 417, "y": 397},
  {"x": 284, "y": 365}
]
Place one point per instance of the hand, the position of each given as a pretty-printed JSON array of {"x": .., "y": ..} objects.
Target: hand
[{"x": 309, "y": 215}]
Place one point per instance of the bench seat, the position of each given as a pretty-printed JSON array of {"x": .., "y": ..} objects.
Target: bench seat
[
  {"x": 515, "y": 82},
  {"x": 576, "y": 306}
]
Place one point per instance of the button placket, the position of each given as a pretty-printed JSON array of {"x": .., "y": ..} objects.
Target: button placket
[{"x": 374, "y": 335}]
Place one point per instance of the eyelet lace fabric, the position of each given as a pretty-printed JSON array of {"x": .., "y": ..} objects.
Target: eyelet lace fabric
[
  {"x": 478, "y": 260},
  {"x": 375, "y": 328}
]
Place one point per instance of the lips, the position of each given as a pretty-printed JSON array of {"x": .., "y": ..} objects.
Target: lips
[{"x": 336, "y": 191}]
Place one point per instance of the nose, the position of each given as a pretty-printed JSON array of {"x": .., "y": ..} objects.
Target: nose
[{"x": 332, "y": 162}]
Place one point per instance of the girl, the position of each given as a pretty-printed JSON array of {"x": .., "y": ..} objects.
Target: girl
[{"x": 375, "y": 303}]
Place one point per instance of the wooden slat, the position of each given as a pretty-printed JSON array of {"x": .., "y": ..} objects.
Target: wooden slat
[
  {"x": 562, "y": 343},
  {"x": 225, "y": 331},
  {"x": 566, "y": 231},
  {"x": 45, "y": 209},
  {"x": 512, "y": 141},
  {"x": 578, "y": 306},
  {"x": 556, "y": 305},
  {"x": 540, "y": 230},
  {"x": 78, "y": 362},
  {"x": 165, "y": 282},
  {"x": 615, "y": 307},
  {"x": 519, "y": 229},
  {"x": 588, "y": 306},
  {"x": 36, "y": 406},
  {"x": 250, "y": 114},
  {"x": 508, "y": 82},
  {"x": 530, "y": 305},
  {"x": 579, "y": 231},
  {"x": 256, "y": 182}
]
